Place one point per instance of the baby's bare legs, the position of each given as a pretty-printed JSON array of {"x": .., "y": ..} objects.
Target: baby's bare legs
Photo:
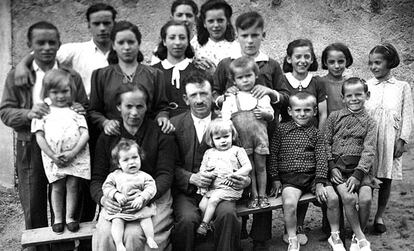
[
  {"x": 203, "y": 204},
  {"x": 117, "y": 230},
  {"x": 72, "y": 190},
  {"x": 148, "y": 229},
  {"x": 212, "y": 203},
  {"x": 261, "y": 176},
  {"x": 253, "y": 177}
]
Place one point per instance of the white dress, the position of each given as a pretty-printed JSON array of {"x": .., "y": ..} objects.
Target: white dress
[
  {"x": 61, "y": 128},
  {"x": 391, "y": 106}
]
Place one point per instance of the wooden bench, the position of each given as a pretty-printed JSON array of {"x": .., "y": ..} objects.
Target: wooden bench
[
  {"x": 275, "y": 203},
  {"x": 45, "y": 235}
]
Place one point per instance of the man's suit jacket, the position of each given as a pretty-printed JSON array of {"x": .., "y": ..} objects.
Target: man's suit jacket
[{"x": 190, "y": 152}]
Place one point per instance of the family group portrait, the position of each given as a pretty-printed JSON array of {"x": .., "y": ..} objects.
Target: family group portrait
[{"x": 207, "y": 125}]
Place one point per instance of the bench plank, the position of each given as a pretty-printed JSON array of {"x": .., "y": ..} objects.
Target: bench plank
[
  {"x": 274, "y": 204},
  {"x": 45, "y": 235}
]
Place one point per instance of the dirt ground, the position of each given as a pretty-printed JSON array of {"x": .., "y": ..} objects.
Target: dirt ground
[{"x": 399, "y": 220}]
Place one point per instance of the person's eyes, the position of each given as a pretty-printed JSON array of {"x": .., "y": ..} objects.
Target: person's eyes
[{"x": 190, "y": 15}]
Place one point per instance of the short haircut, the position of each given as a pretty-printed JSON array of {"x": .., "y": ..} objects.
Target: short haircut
[
  {"x": 124, "y": 145},
  {"x": 190, "y": 3},
  {"x": 303, "y": 96},
  {"x": 354, "y": 81},
  {"x": 41, "y": 25},
  {"x": 57, "y": 79},
  {"x": 130, "y": 87},
  {"x": 219, "y": 126},
  {"x": 121, "y": 26},
  {"x": 162, "y": 51},
  {"x": 337, "y": 47},
  {"x": 389, "y": 53},
  {"x": 100, "y": 7},
  {"x": 287, "y": 67},
  {"x": 197, "y": 77},
  {"x": 202, "y": 33},
  {"x": 248, "y": 20},
  {"x": 244, "y": 62}
]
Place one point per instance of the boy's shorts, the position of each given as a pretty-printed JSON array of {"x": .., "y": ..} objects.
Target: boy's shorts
[{"x": 302, "y": 181}]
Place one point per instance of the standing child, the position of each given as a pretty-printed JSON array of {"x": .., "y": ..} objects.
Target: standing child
[
  {"x": 222, "y": 159},
  {"x": 391, "y": 106},
  {"x": 215, "y": 35},
  {"x": 270, "y": 81},
  {"x": 336, "y": 58},
  {"x": 62, "y": 136},
  {"x": 298, "y": 63},
  {"x": 298, "y": 165},
  {"x": 350, "y": 140},
  {"x": 127, "y": 155},
  {"x": 249, "y": 115}
]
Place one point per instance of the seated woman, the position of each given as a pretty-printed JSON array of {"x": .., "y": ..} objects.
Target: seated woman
[
  {"x": 131, "y": 100},
  {"x": 125, "y": 68},
  {"x": 175, "y": 52}
]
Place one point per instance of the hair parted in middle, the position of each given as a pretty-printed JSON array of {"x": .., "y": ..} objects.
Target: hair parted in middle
[{"x": 287, "y": 67}]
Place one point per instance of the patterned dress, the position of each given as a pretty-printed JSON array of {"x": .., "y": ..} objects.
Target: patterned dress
[
  {"x": 223, "y": 163},
  {"x": 215, "y": 51},
  {"x": 61, "y": 129},
  {"x": 391, "y": 106}
]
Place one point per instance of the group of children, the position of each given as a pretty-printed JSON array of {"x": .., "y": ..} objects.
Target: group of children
[
  {"x": 336, "y": 157},
  {"x": 339, "y": 156}
]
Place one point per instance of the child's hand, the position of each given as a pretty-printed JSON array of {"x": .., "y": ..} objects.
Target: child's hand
[
  {"x": 352, "y": 184},
  {"x": 321, "y": 193},
  {"x": 205, "y": 64},
  {"x": 57, "y": 160},
  {"x": 262, "y": 114},
  {"x": 276, "y": 188},
  {"x": 121, "y": 198},
  {"x": 228, "y": 182},
  {"x": 399, "y": 148},
  {"x": 259, "y": 91},
  {"x": 336, "y": 176},
  {"x": 67, "y": 156},
  {"x": 137, "y": 202}
]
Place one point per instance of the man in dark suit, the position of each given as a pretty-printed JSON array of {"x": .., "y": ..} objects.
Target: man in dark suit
[{"x": 189, "y": 133}]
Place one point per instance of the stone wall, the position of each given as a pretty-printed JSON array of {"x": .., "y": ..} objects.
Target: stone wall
[{"x": 361, "y": 24}]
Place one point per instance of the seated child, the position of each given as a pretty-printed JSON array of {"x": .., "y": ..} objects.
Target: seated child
[
  {"x": 249, "y": 115},
  {"x": 298, "y": 165},
  {"x": 223, "y": 159},
  {"x": 127, "y": 156},
  {"x": 350, "y": 139}
]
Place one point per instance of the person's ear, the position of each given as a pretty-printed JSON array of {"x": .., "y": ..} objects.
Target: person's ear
[
  {"x": 343, "y": 98},
  {"x": 289, "y": 110},
  {"x": 29, "y": 44},
  {"x": 186, "y": 100},
  {"x": 315, "y": 110},
  {"x": 163, "y": 42},
  {"x": 368, "y": 94},
  {"x": 264, "y": 34},
  {"x": 289, "y": 59},
  {"x": 118, "y": 107}
]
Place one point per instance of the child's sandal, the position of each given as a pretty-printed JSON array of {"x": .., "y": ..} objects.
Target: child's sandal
[
  {"x": 294, "y": 244},
  {"x": 253, "y": 203},
  {"x": 264, "y": 202}
]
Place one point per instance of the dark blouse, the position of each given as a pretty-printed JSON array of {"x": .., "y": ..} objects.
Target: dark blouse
[
  {"x": 173, "y": 94},
  {"x": 106, "y": 81},
  {"x": 159, "y": 160},
  {"x": 315, "y": 87}
]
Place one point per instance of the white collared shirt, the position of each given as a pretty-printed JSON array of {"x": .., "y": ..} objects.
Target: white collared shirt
[
  {"x": 259, "y": 58},
  {"x": 84, "y": 57},
  {"x": 201, "y": 125},
  {"x": 37, "y": 87},
  {"x": 295, "y": 83}
]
